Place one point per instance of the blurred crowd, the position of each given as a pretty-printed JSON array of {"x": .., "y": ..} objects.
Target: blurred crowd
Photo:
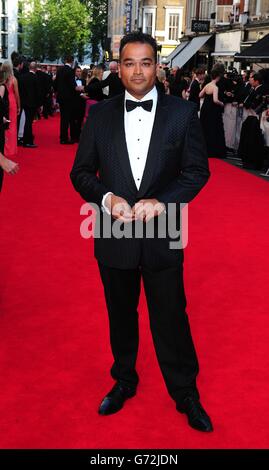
[{"x": 233, "y": 107}]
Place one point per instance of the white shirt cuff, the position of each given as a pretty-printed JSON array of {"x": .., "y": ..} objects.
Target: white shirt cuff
[{"x": 104, "y": 207}]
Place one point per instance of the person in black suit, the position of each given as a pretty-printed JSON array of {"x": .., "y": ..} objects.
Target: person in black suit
[
  {"x": 112, "y": 81},
  {"x": 30, "y": 101},
  {"x": 80, "y": 103},
  {"x": 45, "y": 86},
  {"x": 66, "y": 88},
  {"x": 195, "y": 86},
  {"x": 256, "y": 97},
  {"x": 243, "y": 88},
  {"x": 138, "y": 153}
]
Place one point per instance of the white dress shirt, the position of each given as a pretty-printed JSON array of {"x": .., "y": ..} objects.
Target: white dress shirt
[{"x": 138, "y": 125}]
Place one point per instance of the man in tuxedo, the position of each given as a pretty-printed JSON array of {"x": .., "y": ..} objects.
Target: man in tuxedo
[
  {"x": 258, "y": 93},
  {"x": 30, "y": 102},
  {"x": 80, "y": 103},
  {"x": 65, "y": 86},
  {"x": 112, "y": 81},
  {"x": 195, "y": 86},
  {"x": 139, "y": 152}
]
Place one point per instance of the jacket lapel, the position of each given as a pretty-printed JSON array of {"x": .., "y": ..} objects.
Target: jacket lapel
[
  {"x": 155, "y": 147},
  {"x": 120, "y": 142}
]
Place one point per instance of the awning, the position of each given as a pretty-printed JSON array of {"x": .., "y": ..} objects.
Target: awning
[
  {"x": 259, "y": 52},
  {"x": 177, "y": 50},
  {"x": 188, "y": 52},
  {"x": 227, "y": 44},
  {"x": 223, "y": 54}
]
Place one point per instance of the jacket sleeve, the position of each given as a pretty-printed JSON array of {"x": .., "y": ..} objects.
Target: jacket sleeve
[
  {"x": 84, "y": 174},
  {"x": 194, "y": 171}
]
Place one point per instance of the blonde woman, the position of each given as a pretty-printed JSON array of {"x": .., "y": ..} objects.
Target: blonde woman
[
  {"x": 92, "y": 89},
  {"x": 6, "y": 165},
  {"x": 14, "y": 111}
]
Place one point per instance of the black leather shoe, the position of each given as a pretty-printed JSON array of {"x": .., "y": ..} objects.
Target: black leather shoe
[
  {"x": 66, "y": 142},
  {"x": 114, "y": 400},
  {"x": 30, "y": 146},
  {"x": 197, "y": 416}
]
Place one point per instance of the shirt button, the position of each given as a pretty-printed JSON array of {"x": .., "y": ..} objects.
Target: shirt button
[
  {"x": 138, "y": 158},
  {"x": 138, "y": 179},
  {"x": 138, "y": 140},
  {"x": 139, "y": 120}
]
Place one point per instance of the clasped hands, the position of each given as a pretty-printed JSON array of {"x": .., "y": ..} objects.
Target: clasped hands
[{"x": 143, "y": 210}]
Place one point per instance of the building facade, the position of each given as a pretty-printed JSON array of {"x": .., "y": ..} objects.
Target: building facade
[
  {"x": 9, "y": 28},
  {"x": 163, "y": 19},
  {"x": 232, "y": 25}
]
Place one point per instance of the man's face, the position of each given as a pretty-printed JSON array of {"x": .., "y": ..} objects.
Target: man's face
[
  {"x": 113, "y": 68},
  {"x": 138, "y": 69},
  {"x": 78, "y": 73},
  {"x": 54, "y": 69},
  {"x": 201, "y": 77},
  {"x": 251, "y": 80}
]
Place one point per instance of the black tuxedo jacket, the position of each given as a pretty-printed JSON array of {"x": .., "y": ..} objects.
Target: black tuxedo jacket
[
  {"x": 29, "y": 91},
  {"x": 114, "y": 83},
  {"x": 65, "y": 85},
  {"x": 44, "y": 81},
  {"x": 176, "y": 170},
  {"x": 194, "y": 93},
  {"x": 80, "y": 102}
]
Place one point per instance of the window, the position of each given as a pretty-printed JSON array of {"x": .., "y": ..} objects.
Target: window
[
  {"x": 173, "y": 27},
  {"x": 4, "y": 7},
  {"x": 148, "y": 23},
  {"x": 4, "y": 43},
  {"x": 4, "y": 24},
  {"x": 207, "y": 7},
  {"x": 224, "y": 14},
  {"x": 258, "y": 7},
  {"x": 149, "y": 15},
  {"x": 191, "y": 12},
  {"x": 173, "y": 24}
]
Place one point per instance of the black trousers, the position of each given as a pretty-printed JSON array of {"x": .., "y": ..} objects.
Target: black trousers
[
  {"x": 169, "y": 326},
  {"x": 28, "y": 137},
  {"x": 67, "y": 121},
  {"x": 78, "y": 123}
]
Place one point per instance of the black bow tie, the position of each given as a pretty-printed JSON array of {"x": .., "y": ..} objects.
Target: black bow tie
[{"x": 146, "y": 105}]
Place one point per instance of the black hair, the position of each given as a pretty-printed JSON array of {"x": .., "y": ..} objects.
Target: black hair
[
  {"x": 215, "y": 74},
  {"x": 257, "y": 77},
  {"x": 138, "y": 36},
  {"x": 199, "y": 71},
  {"x": 218, "y": 66},
  {"x": 16, "y": 61},
  {"x": 69, "y": 58}
]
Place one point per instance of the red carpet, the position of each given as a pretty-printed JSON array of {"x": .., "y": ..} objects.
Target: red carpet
[{"x": 55, "y": 354}]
